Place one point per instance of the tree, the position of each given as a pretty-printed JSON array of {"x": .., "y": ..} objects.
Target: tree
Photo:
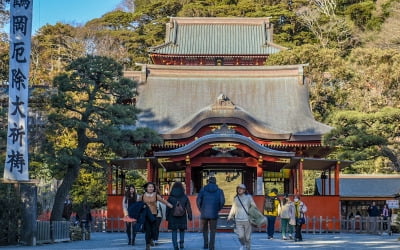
[
  {"x": 4, "y": 17},
  {"x": 54, "y": 47},
  {"x": 362, "y": 136},
  {"x": 4, "y": 13},
  {"x": 330, "y": 29},
  {"x": 3, "y": 135},
  {"x": 90, "y": 122}
]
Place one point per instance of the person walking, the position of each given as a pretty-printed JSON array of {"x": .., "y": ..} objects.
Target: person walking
[
  {"x": 150, "y": 197},
  {"x": 272, "y": 207},
  {"x": 161, "y": 211},
  {"x": 240, "y": 213},
  {"x": 287, "y": 217},
  {"x": 210, "y": 201},
  {"x": 67, "y": 210},
  {"x": 178, "y": 215},
  {"x": 386, "y": 216},
  {"x": 373, "y": 212},
  {"x": 300, "y": 210},
  {"x": 130, "y": 197}
]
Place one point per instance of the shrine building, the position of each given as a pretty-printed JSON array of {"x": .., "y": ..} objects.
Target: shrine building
[{"x": 221, "y": 112}]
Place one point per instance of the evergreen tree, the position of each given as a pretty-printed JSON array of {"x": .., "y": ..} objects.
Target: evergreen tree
[{"x": 89, "y": 121}]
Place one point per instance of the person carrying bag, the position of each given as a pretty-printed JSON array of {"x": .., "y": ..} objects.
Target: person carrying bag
[{"x": 242, "y": 203}]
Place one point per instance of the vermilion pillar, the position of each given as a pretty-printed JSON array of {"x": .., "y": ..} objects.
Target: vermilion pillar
[
  {"x": 149, "y": 170},
  {"x": 110, "y": 178},
  {"x": 294, "y": 181},
  {"x": 301, "y": 167},
  {"x": 330, "y": 180},
  {"x": 188, "y": 175},
  {"x": 259, "y": 188},
  {"x": 337, "y": 171}
]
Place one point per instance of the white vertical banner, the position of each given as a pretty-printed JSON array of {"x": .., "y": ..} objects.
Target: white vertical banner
[{"x": 16, "y": 165}]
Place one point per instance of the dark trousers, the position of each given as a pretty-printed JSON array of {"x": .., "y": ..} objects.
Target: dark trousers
[
  {"x": 175, "y": 237},
  {"x": 130, "y": 231},
  {"x": 158, "y": 223},
  {"x": 150, "y": 228},
  {"x": 206, "y": 226},
  {"x": 298, "y": 235},
  {"x": 271, "y": 225},
  {"x": 386, "y": 223}
]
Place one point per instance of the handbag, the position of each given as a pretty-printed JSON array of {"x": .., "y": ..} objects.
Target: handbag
[
  {"x": 300, "y": 221},
  {"x": 256, "y": 218}
]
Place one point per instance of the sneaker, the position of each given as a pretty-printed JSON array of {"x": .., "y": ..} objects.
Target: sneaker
[
  {"x": 152, "y": 243},
  {"x": 155, "y": 242},
  {"x": 181, "y": 245},
  {"x": 284, "y": 238},
  {"x": 290, "y": 237}
]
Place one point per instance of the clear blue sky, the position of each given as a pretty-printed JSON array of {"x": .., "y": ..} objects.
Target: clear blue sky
[{"x": 69, "y": 11}]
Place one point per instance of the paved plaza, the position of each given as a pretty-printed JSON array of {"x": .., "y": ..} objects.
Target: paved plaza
[{"x": 194, "y": 241}]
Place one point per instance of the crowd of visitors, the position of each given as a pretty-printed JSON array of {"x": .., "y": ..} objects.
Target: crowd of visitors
[{"x": 146, "y": 212}]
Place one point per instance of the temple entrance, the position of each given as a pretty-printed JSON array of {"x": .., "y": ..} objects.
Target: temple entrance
[{"x": 227, "y": 179}]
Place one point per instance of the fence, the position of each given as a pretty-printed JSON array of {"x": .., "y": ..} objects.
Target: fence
[
  {"x": 314, "y": 225},
  {"x": 56, "y": 231},
  {"x": 367, "y": 225}
]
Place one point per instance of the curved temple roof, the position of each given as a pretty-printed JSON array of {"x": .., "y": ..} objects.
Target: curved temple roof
[
  {"x": 217, "y": 36},
  {"x": 275, "y": 96},
  {"x": 212, "y": 138}
]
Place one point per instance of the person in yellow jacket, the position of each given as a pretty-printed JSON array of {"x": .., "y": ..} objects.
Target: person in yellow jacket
[{"x": 272, "y": 208}]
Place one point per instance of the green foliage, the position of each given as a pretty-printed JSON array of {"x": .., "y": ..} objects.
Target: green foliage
[
  {"x": 366, "y": 137},
  {"x": 10, "y": 214},
  {"x": 54, "y": 47},
  {"x": 138, "y": 178},
  {"x": 90, "y": 122},
  {"x": 118, "y": 20},
  {"x": 374, "y": 83},
  {"x": 90, "y": 188},
  {"x": 4, "y": 58},
  {"x": 361, "y": 13}
]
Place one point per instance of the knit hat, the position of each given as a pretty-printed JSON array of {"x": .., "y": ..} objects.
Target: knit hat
[
  {"x": 242, "y": 186},
  {"x": 212, "y": 179}
]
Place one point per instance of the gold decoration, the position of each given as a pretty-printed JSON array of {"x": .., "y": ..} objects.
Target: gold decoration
[
  {"x": 224, "y": 147},
  {"x": 164, "y": 160},
  {"x": 283, "y": 160}
]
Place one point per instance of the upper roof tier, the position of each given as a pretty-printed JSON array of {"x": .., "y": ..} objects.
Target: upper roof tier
[
  {"x": 274, "y": 99},
  {"x": 218, "y": 36}
]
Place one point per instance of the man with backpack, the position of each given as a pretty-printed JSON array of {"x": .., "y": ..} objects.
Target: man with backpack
[
  {"x": 272, "y": 207},
  {"x": 210, "y": 201}
]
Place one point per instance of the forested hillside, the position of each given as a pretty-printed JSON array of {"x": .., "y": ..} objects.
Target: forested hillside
[{"x": 352, "y": 48}]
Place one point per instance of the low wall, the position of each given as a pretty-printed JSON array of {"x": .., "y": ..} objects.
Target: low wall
[{"x": 318, "y": 207}]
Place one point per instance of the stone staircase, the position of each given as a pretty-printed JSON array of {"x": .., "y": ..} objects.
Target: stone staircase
[{"x": 223, "y": 225}]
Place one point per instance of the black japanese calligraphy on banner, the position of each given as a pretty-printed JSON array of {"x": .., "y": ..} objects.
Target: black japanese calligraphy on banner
[{"x": 16, "y": 164}]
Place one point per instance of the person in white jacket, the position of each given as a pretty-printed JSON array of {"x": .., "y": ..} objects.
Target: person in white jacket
[
  {"x": 287, "y": 218},
  {"x": 239, "y": 212}
]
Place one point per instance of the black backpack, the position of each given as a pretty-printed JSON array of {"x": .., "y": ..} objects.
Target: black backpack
[
  {"x": 269, "y": 204},
  {"x": 178, "y": 210}
]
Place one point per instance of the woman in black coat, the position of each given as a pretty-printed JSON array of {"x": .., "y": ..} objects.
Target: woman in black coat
[{"x": 178, "y": 198}]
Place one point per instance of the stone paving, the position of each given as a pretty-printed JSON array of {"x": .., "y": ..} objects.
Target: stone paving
[{"x": 194, "y": 241}]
